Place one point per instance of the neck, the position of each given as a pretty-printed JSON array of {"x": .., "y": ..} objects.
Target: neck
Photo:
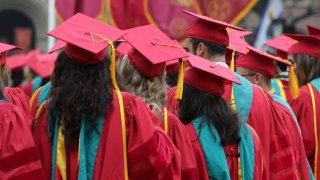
[
  {"x": 217, "y": 58},
  {"x": 265, "y": 86}
]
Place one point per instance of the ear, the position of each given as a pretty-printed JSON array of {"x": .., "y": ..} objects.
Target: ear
[
  {"x": 201, "y": 50},
  {"x": 257, "y": 79}
]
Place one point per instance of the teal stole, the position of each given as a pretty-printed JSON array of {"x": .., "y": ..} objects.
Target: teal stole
[
  {"x": 214, "y": 154},
  {"x": 36, "y": 83},
  {"x": 243, "y": 96},
  {"x": 88, "y": 141},
  {"x": 316, "y": 84}
]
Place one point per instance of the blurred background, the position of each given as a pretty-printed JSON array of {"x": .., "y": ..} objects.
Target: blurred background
[{"x": 26, "y": 22}]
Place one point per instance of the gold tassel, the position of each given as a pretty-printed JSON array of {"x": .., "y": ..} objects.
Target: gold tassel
[
  {"x": 293, "y": 83},
  {"x": 232, "y": 59},
  {"x": 113, "y": 67},
  {"x": 179, "y": 89}
]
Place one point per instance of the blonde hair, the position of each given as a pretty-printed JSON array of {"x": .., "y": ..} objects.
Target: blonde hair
[{"x": 150, "y": 90}]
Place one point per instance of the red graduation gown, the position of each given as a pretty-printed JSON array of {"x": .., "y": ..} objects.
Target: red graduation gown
[
  {"x": 271, "y": 129},
  {"x": 231, "y": 155},
  {"x": 303, "y": 109},
  {"x": 286, "y": 89},
  {"x": 297, "y": 143},
  {"x": 177, "y": 133},
  {"x": 151, "y": 154},
  {"x": 19, "y": 158},
  {"x": 17, "y": 97}
]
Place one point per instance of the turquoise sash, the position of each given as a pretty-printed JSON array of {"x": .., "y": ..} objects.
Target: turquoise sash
[
  {"x": 44, "y": 93},
  {"x": 243, "y": 96},
  {"x": 36, "y": 83},
  {"x": 214, "y": 154},
  {"x": 316, "y": 84},
  {"x": 275, "y": 86}
]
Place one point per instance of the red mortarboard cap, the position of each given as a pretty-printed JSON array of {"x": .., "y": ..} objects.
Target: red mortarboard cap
[
  {"x": 209, "y": 29},
  {"x": 43, "y": 64},
  {"x": 260, "y": 62},
  {"x": 313, "y": 30},
  {"x": 57, "y": 46},
  {"x": 152, "y": 48},
  {"x": 307, "y": 44},
  {"x": 123, "y": 49},
  {"x": 4, "y": 48},
  {"x": 172, "y": 67},
  {"x": 86, "y": 38},
  {"x": 16, "y": 62},
  {"x": 281, "y": 44},
  {"x": 207, "y": 76}
]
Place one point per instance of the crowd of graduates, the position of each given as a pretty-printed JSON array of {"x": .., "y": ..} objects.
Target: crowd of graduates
[{"x": 106, "y": 103}]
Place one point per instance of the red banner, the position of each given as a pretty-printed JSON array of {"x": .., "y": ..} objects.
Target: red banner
[
  {"x": 67, "y": 8},
  {"x": 23, "y": 36},
  {"x": 168, "y": 15}
]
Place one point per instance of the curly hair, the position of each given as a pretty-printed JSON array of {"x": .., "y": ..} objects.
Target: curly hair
[
  {"x": 216, "y": 111},
  {"x": 5, "y": 75},
  {"x": 79, "y": 91},
  {"x": 150, "y": 90},
  {"x": 308, "y": 68}
]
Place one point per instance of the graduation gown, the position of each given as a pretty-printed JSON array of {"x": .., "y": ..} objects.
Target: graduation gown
[
  {"x": 19, "y": 158},
  {"x": 17, "y": 97},
  {"x": 307, "y": 110},
  {"x": 177, "y": 133},
  {"x": 296, "y": 138},
  {"x": 258, "y": 109},
  {"x": 232, "y": 156},
  {"x": 150, "y": 153}
]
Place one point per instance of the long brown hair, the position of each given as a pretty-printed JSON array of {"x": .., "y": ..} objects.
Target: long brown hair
[{"x": 308, "y": 68}]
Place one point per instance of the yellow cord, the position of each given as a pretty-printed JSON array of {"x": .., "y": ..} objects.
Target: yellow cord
[
  {"x": 165, "y": 120},
  {"x": 179, "y": 90},
  {"x": 293, "y": 82},
  {"x": 280, "y": 85},
  {"x": 315, "y": 173}
]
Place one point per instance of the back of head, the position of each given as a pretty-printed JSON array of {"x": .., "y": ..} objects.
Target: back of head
[
  {"x": 214, "y": 109},
  {"x": 213, "y": 49},
  {"x": 150, "y": 90},
  {"x": 79, "y": 91},
  {"x": 308, "y": 68}
]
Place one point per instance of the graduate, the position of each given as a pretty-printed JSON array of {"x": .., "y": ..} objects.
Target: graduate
[
  {"x": 14, "y": 95},
  {"x": 280, "y": 83},
  {"x": 225, "y": 147},
  {"x": 142, "y": 73},
  {"x": 87, "y": 129},
  {"x": 41, "y": 66},
  {"x": 19, "y": 158},
  {"x": 259, "y": 68},
  {"x": 16, "y": 64},
  {"x": 306, "y": 58},
  {"x": 208, "y": 38}
]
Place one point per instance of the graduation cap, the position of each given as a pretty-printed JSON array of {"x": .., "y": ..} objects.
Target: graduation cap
[
  {"x": 87, "y": 39},
  {"x": 4, "y": 48},
  {"x": 208, "y": 76},
  {"x": 16, "y": 62},
  {"x": 57, "y": 46},
  {"x": 306, "y": 44},
  {"x": 209, "y": 29},
  {"x": 313, "y": 30},
  {"x": 43, "y": 64},
  {"x": 236, "y": 44},
  {"x": 151, "y": 50},
  {"x": 281, "y": 44},
  {"x": 263, "y": 63},
  {"x": 123, "y": 49}
]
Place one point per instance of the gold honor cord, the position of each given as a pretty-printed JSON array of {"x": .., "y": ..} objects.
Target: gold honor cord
[
  {"x": 165, "y": 120},
  {"x": 315, "y": 173},
  {"x": 280, "y": 85},
  {"x": 115, "y": 86}
]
